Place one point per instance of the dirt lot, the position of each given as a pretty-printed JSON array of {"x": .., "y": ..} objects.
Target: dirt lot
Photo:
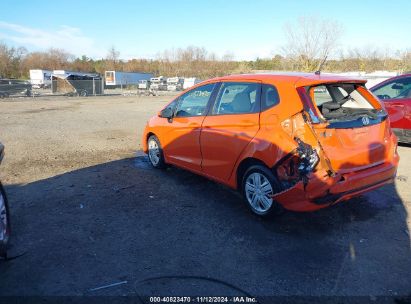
[{"x": 86, "y": 212}]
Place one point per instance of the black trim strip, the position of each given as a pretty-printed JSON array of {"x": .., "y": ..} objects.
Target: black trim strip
[{"x": 357, "y": 123}]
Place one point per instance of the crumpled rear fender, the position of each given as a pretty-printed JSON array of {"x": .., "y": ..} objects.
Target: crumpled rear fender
[{"x": 300, "y": 196}]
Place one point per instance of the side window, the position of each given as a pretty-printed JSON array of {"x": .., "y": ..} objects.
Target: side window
[
  {"x": 194, "y": 102},
  {"x": 396, "y": 89},
  {"x": 172, "y": 105},
  {"x": 270, "y": 97},
  {"x": 237, "y": 98},
  {"x": 321, "y": 95}
]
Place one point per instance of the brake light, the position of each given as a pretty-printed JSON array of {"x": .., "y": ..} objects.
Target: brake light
[
  {"x": 308, "y": 156},
  {"x": 298, "y": 165}
]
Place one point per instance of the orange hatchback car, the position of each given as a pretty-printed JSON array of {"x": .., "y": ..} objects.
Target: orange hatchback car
[{"x": 298, "y": 141}]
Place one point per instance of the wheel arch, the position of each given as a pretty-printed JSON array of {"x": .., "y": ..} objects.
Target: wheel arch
[
  {"x": 244, "y": 165},
  {"x": 150, "y": 134},
  {"x": 144, "y": 140}
]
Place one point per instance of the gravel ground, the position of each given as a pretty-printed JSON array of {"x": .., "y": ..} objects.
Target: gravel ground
[{"x": 88, "y": 211}]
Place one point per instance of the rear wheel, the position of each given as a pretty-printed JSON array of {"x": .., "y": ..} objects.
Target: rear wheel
[
  {"x": 4, "y": 223},
  {"x": 155, "y": 152},
  {"x": 258, "y": 186}
]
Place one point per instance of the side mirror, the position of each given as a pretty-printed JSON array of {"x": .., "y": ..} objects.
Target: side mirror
[{"x": 166, "y": 113}]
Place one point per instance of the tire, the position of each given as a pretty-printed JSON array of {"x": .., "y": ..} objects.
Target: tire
[
  {"x": 4, "y": 223},
  {"x": 258, "y": 184},
  {"x": 83, "y": 93},
  {"x": 28, "y": 93},
  {"x": 155, "y": 153}
]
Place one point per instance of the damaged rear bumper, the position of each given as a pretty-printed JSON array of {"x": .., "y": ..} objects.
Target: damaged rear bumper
[{"x": 323, "y": 190}]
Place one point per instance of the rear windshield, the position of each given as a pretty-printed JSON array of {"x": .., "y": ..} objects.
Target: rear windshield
[
  {"x": 342, "y": 101},
  {"x": 346, "y": 95}
]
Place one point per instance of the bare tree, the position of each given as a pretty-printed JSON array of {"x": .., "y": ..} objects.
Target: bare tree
[
  {"x": 113, "y": 59},
  {"x": 310, "y": 41}
]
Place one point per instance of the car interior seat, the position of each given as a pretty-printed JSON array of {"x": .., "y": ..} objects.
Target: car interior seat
[{"x": 241, "y": 103}]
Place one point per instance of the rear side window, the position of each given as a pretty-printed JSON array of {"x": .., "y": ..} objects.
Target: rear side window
[
  {"x": 237, "y": 98},
  {"x": 269, "y": 97}
]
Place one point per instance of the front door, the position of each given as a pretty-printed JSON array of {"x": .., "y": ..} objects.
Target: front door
[{"x": 181, "y": 134}]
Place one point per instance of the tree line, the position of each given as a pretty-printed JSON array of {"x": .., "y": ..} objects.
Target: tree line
[{"x": 310, "y": 43}]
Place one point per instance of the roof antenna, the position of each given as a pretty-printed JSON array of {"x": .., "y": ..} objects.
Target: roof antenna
[{"x": 320, "y": 66}]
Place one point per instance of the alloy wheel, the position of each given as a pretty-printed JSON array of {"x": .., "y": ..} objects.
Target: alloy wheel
[
  {"x": 258, "y": 192},
  {"x": 153, "y": 151}
]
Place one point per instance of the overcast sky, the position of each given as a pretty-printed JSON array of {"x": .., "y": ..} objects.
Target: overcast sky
[{"x": 247, "y": 29}]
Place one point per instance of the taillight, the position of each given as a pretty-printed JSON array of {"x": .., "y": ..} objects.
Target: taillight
[
  {"x": 298, "y": 164},
  {"x": 308, "y": 156}
]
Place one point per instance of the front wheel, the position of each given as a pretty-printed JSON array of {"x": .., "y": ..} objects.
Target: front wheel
[
  {"x": 258, "y": 186},
  {"x": 155, "y": 152},
  {"x": 4, "y": 223}
]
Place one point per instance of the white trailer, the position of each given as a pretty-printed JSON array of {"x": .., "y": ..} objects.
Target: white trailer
[
  {"x": 189, "y": 82},
  {"x": 117, "y": 79},
  {"x": 40, "y": 78}
]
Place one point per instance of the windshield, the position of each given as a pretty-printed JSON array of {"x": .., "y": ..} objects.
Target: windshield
[{"x": 397, "y": 89}]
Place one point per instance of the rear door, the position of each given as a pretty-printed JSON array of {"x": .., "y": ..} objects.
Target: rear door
[
  {"x": 230, "y": 125},
  {"x": 353, "y": 136}
]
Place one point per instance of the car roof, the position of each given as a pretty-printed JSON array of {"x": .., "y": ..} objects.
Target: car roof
[
  {"x": 401, "y": 76},
  {"x": 390, "y": 79},
  {"x": 299, "y": 79}
]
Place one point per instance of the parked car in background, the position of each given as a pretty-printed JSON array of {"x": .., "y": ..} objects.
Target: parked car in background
[
  {"x": 298, "y": 141},
  {"x": 4, "y": 216},
  {"x": 14, "y": 86},
  {"x": 396, "y": 95}
]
